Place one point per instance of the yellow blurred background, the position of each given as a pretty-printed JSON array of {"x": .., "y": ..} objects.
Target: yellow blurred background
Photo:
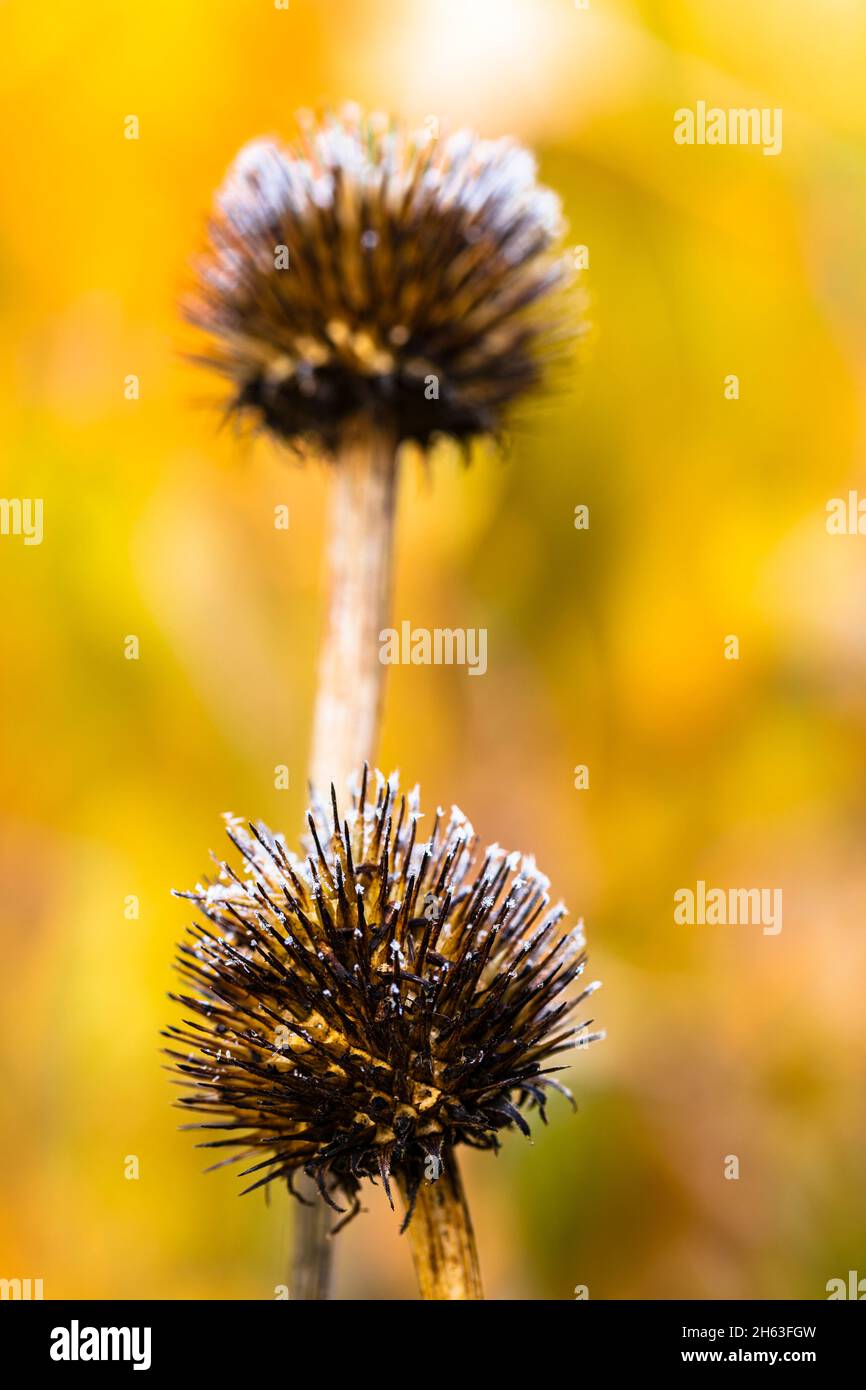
[{"x": 606, "y": 646}]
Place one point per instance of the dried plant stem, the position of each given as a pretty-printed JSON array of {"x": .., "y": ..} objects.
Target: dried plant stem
[
  {"x": 349, "y": 699},
  {"x": 312, "y": 1252},
  {"x": 348, "y": 704},
  {"x": 442, "y": 1239}
]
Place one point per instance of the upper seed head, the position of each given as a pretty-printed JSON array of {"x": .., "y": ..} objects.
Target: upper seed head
[{"x": 367, "y": 270}]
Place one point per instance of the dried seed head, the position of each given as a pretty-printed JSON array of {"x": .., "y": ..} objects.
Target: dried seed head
[
  {"x": 360, "y": 1012},
  {"x": 371, "y": 270}
]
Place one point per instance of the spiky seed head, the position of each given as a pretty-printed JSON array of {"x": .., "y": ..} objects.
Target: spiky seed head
[
  {"x": 360, "y": 1011},
  {"x": 370, "y": 270}
]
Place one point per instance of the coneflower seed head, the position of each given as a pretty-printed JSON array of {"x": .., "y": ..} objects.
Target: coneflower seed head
[
  {"x": 359, "y": 1012},
  {"x": 371, "y": 271}
]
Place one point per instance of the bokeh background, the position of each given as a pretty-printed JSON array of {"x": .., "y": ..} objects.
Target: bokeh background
[{"x": 606, "y": 646}]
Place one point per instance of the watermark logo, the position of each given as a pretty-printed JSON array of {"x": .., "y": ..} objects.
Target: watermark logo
[
  {"x": 24, "y": 1289},
  {"x": 739, "y": 125},
  {"x": 431, "y": 908},
  {"x": 854, "y": 1288},
  {"x": 438, "y": 646},
  {"x": 847, "y": 516},
  {"x": 729, "y": 907},
  {"x": 76, "y": 1343},
  {"x": 432, "y": 1167},
  {"x": 22, "y": 516}
]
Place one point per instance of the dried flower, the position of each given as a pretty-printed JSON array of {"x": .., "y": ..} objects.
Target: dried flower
[
  {"x": 369, "y": 270},
  {"x": 361, "y": 1012}
]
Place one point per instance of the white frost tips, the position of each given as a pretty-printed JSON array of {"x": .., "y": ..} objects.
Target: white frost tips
[{"x": 255, "y": 190}]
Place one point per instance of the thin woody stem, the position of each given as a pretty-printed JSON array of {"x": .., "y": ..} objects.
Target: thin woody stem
[
  {"x": 348, "y": 706},
  {"x": 442, "y": 1239},
  {"x": 312, "y": 1248},
  {"x": 351, "y": 676}
]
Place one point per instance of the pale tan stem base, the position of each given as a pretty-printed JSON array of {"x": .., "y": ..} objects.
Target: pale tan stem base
[
  {"x": 312, "y": 1255},
  {"x": 443, "y": 1242},
  {"x": 348, "y": 707},
  {"x": 312, "y": 1248}
]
